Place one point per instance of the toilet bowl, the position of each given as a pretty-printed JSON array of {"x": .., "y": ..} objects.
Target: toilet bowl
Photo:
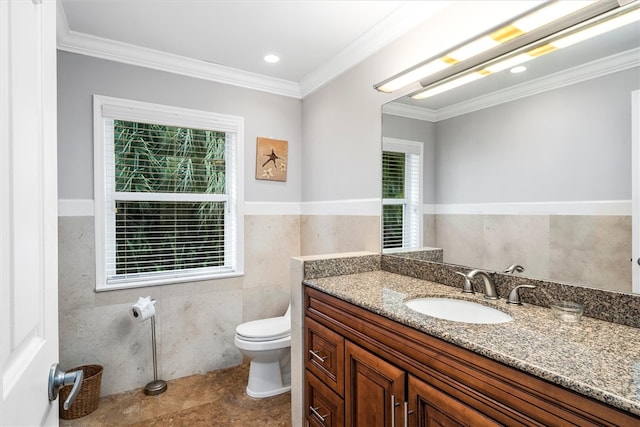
[{"x": 267, "y": 344}]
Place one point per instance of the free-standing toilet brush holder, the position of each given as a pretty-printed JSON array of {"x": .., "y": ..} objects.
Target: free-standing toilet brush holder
[{"x": 156, "y": 386}]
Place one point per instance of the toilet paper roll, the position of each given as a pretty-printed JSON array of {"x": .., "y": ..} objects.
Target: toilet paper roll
[{"x": 143, "y": 309}]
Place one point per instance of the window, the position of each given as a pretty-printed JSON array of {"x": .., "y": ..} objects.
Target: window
[
  {"x": 168, "y": 194},
  {"x": 401, "y": 194}
]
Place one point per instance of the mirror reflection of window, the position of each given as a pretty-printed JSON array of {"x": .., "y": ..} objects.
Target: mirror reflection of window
[
  {"x": 401, "y": 194},
  {"x": 535, "y": 165}
]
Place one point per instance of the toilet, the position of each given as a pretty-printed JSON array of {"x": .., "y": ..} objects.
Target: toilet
[{"x": 267, "y": 344}]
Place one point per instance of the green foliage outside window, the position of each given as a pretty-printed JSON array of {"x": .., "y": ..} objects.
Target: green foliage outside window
[
  {"x": 393, "y": 165},
  {"x": 393, "y": 187},
  {"x": 163, "y": 235},
  {"x": 153, "y": 158}
]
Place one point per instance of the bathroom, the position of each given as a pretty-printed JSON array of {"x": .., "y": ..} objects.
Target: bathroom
[{"x": 329, "y": 203}]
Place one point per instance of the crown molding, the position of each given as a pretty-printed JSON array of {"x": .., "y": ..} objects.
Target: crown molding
[
  {"x": 149, "y": 58},
  {"x": 84, "y": 44},
  {"x": 588, "y": 71},
  {"x": 395, "y": 25},
  {"x": 410, "y": 111},
  {"x": 62, "y": 24},
  {"x": 398, "y": 23}
]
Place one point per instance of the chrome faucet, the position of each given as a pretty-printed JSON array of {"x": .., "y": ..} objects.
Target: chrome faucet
[
  {"x": 514, "y": 295},
  {"x": 467, "y": 287},
  {"x": 489, "y": 287},
  {"x": 514, "y": 268}
]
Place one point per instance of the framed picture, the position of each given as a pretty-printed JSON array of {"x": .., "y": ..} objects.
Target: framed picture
[{"x": 271, "y": 159}]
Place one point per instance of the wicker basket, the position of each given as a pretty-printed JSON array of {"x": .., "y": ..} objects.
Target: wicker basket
[{"x": 88, "y": 397}]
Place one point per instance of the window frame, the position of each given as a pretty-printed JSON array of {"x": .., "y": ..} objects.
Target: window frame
[
  {"x": 412, "y": 222},
  {"x": 109, "y": 109}
]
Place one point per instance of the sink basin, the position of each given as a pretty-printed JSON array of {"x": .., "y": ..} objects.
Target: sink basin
[{"x": 458, "y": 310}]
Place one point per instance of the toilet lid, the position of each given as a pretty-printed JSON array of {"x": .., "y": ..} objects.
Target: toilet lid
[{"x": 265, "y": 329}]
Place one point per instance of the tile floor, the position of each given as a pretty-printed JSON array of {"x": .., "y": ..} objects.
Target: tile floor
[{"x": 212, "y": 399}]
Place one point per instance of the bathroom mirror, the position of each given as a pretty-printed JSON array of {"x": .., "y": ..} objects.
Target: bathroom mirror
[{"x": 533, "y": 168}]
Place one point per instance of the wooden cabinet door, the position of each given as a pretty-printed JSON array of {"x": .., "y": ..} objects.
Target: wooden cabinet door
[
  {"x": 374, "y": 394},
  {"x": 324, "y": 354},
  {"x": 323, "y": 407},
  {"x": 431, "y": 407}
]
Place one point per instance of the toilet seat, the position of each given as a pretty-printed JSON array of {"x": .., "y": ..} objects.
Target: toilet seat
[
  {"x": 270, "y": 329},
  {"x": 267, "y": 344},
  {"x": 245, "y": 345}
]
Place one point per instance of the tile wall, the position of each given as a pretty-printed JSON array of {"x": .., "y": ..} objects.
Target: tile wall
[
  {"x": 196, "y": 321},
  {"x": 582, "y": 249}
]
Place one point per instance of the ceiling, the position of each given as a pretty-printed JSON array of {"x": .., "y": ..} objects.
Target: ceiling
[{"x": 227, "y": 40}]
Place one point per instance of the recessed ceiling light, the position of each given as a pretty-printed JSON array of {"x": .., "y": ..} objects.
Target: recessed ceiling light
[
  {"x": 518, "y": 69},
  {"x": 272, "y": 58}
]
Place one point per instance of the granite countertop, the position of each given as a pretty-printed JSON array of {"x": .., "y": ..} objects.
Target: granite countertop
[{"x": 592, "y": 357}]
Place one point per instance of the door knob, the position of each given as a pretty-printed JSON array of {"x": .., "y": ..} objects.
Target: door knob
[{"x": 59, "y": 378}]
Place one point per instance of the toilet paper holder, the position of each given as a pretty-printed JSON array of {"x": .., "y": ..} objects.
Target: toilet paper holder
[{"x": 142, "y": 310}]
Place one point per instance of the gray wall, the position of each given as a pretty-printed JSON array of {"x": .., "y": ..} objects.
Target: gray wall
[
  {"x": 569, "y": 144},
  {"x": 334, "y": 154},
  {"x": 79, "y": 77},
  {"x": 342, "y": 127},
  {"x": 342, "y": 146},
  {"x": 341, "y": 120},
  {"x": 196, "y": 321}
]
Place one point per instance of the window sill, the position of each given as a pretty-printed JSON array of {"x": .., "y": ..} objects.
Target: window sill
[{"x": 166, "y": 281}]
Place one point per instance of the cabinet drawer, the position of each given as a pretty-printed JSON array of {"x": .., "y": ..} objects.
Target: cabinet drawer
[
  {"x": 323, "y": 407},
  {"x": 324, "y": 355},
  {"x": 436, "y": 408}
]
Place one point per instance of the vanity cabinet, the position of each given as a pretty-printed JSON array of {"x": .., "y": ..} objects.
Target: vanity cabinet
[
  {"x": 363, "y": 369},
  {"x": 324, "y": 407},
  {"x": 325, "y": 355},
  {"x": 324, "y": 378},
  {"x": 375, "y": 389},
  {"x": 433, "y": 408}
]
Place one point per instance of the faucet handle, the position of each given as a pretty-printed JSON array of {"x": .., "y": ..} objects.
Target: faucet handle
[
  {"x": 467, "y": 287},
  {"x": 514, "y": 268},
  {"x": 514, "y": 295},
  {"x": 474, "y": 273}
]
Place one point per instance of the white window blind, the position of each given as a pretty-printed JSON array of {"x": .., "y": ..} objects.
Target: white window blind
[
  {"x": 167, "y": 194},
  {"x": 401, "y": 194}
]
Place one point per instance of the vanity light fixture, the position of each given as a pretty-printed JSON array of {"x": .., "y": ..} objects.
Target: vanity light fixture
[
  {"x": 524, "y": 24},
  {"x": 589, "y": 28}
]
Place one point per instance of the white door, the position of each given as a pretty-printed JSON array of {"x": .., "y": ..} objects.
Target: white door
[
  {"x": 635, "y": 189},
  {"x": 28, "y": 212}
]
